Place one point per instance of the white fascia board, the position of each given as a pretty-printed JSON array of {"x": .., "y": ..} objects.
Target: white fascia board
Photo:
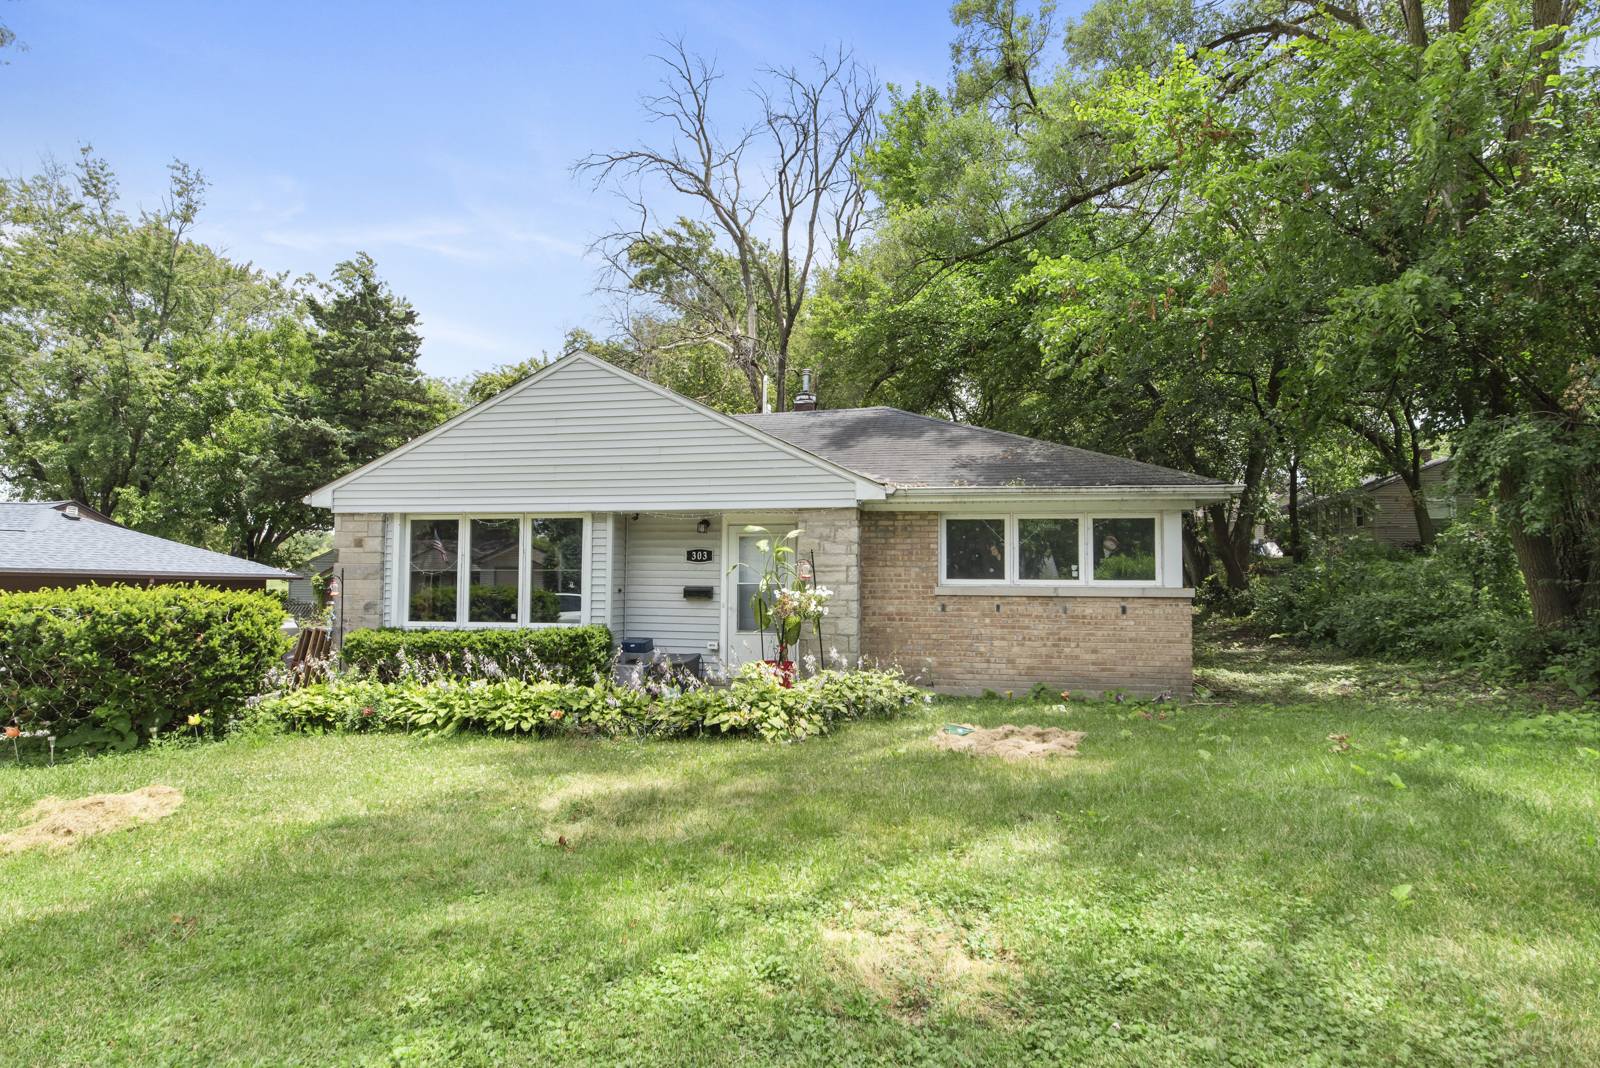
[
  {"x": 866, "y": 489},
  {"x": 923, "y": 496}
]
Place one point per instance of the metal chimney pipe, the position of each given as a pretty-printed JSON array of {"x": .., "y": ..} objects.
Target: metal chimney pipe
[{"x": 805, "y": 400}]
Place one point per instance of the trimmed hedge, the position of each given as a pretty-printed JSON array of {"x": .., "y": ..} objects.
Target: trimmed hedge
[
  {"x": 102, "y": 666},
  {"x": 569, "y": 654}
]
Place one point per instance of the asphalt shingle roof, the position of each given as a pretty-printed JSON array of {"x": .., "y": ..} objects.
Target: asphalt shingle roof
[
  {"x": 906, "y": 450},
  {"x": 40, "y": 537}
]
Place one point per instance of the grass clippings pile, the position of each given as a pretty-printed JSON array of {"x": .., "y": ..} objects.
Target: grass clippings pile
[
  {"x": 1010, "y": 742},
  {"x": 59, "y": 823}
]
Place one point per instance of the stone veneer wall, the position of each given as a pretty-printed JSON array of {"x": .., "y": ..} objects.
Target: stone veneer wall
[
  {"x": 961, "y": 644},
  {"x": 359, "y": 539},
  {"x": 834, "y": 535}
]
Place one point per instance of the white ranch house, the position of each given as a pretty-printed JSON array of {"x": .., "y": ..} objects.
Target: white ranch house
[{"x": 584, "y": 494}]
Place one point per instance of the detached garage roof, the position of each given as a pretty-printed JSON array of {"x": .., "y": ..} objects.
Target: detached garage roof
[
  {"x": 912, "y": 451},
  {"x": 43, "y": 538}
]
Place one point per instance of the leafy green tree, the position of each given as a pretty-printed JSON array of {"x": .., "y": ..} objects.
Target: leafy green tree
[
  {"x": 1306, "y": 224},
  {"x": 98, "y": 313}
]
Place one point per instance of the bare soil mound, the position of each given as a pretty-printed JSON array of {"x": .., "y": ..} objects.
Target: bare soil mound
[
  {"x": 1009, "y": 742},
  {"x": 60, "y": 823}
]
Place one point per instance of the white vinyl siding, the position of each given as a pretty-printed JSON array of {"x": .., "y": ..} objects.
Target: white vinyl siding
[
  {"x": 390, "y": 554},
  {"x": 589, "y": 438},
  {"x": 657, "y": 570},
  {"x": 597, "y": 577}
]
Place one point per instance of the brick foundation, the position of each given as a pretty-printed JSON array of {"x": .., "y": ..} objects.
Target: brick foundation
[
  {"x": 1077, "y": 643},
  {"x": 359, "y": 539}
]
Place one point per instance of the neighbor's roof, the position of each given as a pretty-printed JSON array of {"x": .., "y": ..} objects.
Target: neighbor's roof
[
  {"x": 39, "y": 537},
  {"x": 1370, "y": 484},
  {"x": 915, "y": 451}
]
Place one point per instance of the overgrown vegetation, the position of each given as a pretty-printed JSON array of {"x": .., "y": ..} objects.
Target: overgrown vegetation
[
  {"x": 1217, "y": 883},
  {"x": 104, "y": 667},
  {"x": 1464, "y": 601}
]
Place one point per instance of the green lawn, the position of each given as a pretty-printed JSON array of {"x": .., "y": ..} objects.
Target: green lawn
[{"x": 857, "y": 899}]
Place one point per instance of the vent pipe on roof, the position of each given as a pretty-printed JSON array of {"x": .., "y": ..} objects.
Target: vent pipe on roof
[{"x": 805, "y": 400}]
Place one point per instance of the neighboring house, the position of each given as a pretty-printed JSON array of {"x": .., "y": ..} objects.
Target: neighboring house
[
  {"x": 300, "y": 588},
  {"x": 63, "y": 543},
  {"x": 1383, "y": 507},
  {"x": 973, "y": 558}
]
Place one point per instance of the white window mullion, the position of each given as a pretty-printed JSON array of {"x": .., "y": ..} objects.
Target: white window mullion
[
  {"x": 524, "y": 566},
  {"x": 463, "y": 567}
]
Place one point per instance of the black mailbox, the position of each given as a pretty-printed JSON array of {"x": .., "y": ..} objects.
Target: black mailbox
[
  {"x": 697, "y": 593},
  {"x": 638, "y": 645}
]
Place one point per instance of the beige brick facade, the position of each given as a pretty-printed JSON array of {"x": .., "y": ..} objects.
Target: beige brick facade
[
  {"x": 359, "y": 539},
  {"x": 834, "y": 536},
  {"x": 962, "y": 644}
]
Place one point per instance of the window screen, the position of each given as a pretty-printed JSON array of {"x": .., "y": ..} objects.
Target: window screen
[
  {"x": 556, "y": 570},
  {"x": 1124, "y": 550},
  {"x": 1048, "y": 549},
  {"x": 433, "y": 570},
  {"x": 975, "y": 549},
  {"x": 492, "y": 589}
]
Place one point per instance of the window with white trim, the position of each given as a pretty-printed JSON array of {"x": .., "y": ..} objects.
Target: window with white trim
[
  {"x": 1023, "y": 550},
  {"x": 515, "y": 570}
]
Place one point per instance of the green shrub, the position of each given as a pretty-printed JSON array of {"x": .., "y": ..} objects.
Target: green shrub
[
  {"x": 488, "y": 602},
  {"x": 343, "y": 704},
  {"x": 754, "y": 704},
  {"x": 569, "y": 654},
  {"x": 102, "y": 666},
  {"x": 1462, "y": 600}
]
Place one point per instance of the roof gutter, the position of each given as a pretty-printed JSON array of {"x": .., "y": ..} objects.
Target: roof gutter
[{"x": 1216, "y": 493}]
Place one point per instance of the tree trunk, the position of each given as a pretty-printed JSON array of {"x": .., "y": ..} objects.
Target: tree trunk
[
  {"x": 1416, "y": 27},
  {"x": 1197, "y": 562},
  {"x": 1224, "y": 543},
  {"x": 1294, "y": 510},
  {"x": 1536, "y": 556},
  {"x": 1419, "y": 507},
  {"x": 1458, "y": 11}
]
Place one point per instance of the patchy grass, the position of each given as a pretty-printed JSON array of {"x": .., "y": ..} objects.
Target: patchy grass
[{"x": 1216, "y": 887}]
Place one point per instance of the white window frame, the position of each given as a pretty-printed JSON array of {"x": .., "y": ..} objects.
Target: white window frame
[
  {"x": 1008, "y": 528},
  {"x": 1013, "y": 542},
  {"x": 464, "y": 569}
]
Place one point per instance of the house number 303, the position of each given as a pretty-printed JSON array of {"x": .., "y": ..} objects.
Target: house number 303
[{"x": 699, "y": 556}]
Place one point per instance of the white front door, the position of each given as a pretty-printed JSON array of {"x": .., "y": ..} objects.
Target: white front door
[{"x": 745, "y": 642}]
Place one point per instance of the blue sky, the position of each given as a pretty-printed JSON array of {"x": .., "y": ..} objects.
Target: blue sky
[{"x": 436, "y": 137}]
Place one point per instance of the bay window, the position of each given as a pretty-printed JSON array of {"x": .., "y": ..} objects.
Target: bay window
[
  {"x": 1024, "y": 550},
  {"x": 516, "y": 570}
]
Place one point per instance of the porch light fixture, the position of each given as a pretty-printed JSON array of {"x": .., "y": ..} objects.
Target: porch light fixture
[{"x": 703, "y": 527}]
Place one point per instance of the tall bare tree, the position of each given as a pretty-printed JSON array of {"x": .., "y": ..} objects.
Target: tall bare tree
[{"x": 775, "y": 202}]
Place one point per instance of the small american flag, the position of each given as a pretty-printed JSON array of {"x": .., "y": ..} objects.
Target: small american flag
[{"x": 438, "y": 544}]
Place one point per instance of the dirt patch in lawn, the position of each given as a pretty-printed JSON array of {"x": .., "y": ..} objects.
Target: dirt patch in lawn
[
  {"x": 921, "y": 966},
  {"x": 1009, "y": 742},
  {"x": 59, "y": 823}
]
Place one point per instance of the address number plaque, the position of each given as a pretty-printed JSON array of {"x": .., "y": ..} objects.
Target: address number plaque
[{"x": 699, "y": 556}]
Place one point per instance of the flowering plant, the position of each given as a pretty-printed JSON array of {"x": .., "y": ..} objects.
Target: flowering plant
[{"x": 784, "y": 600}]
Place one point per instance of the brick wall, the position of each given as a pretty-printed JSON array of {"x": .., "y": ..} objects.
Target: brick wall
[
  {"x": 834, "y": 536},
  {"x": 961, "y": 644},
  {"x": 359, "y": 539}
]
